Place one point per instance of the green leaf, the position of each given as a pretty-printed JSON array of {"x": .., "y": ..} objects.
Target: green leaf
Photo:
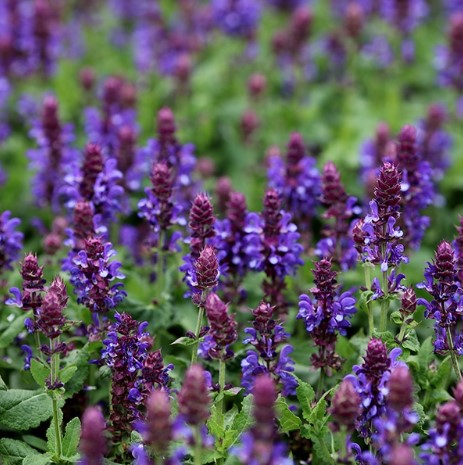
[
  {"x": 35, "y": 442},
  {"x": 67, "y": 373},
  {"x": 396, "y": 317},
  {"x": 426, "y": 353},
  {"x": 42, "y": 459},
  {"x": 321, "y": 454},
  {"x": 213, "y": 424},
  {"x": 39, "y": 372},
  {"x": 13, "y": 452},
  {"x": 184, "y": 341},
  {"x": 3, "y": 386},
  {"x": 17, "y": 325},
  {"x": 411, "y": 342},
  {"x": 78, "y": 359},
  {"x": 241, "y": 422},
  {"x": 288, "y": 420},
  {"x": 305, "y": 396},
  {"x": 71, "y": 438},
  {"x": 442, "y": 375},
  {"x": 21, "y": 410}
]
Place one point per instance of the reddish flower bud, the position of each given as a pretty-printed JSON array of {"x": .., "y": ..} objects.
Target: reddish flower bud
[
  {"x": 207, "y": 269},
  {"x": 92, "y": 444},
  {"x": 158, "y": 423},
  {"x": 91, "y": 168},
  {"x": 346, "y": 405},
  {"x": 400, "y": 386},
  {"x": 256, "y": 85},
  {"x": 408, "y": 302}
]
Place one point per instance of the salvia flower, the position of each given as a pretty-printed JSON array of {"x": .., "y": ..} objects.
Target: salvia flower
[
  {"x": 238, "y": 18},
  {"x": 50, "y": 318},
  {"x": 458, "y": 246},
  {"x": 370, "y": 381},
  {"x": 326, "y": 315},
  {"x": 92, "y": 273},
  {"x": 222, "y": 330},
  {"x": 10, "y": 240},
  {"x": 125, "y": 349},
  {"x": 418, "y": 191},
  {"x": 92, "y": 443},
  {"x": 297, "y": 180},
  {"x": 345, "y": 406},
  {"x": 260, "y": 445},
  {"x": 193, "y": 398},
  {"x": 445, "y": 308},
  {"x": 337, "y": 242},
  {"x": 201, "y": 224},
  {"x": 266, "y": 336},
  {"x": 381, "y": 242}
]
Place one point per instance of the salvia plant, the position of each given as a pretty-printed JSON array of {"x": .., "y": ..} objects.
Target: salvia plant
[{"x": 231, "y": 232}]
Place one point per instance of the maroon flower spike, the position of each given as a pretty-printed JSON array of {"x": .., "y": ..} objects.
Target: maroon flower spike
[
  {"x": 248, "y": 125},
  {"x": 91, "y": 168},
  {"x": 265, "y": 395},
  {"x": 345, "y": 406},
  {"x": 407, "y": 153},
  {"x": 223, "y": 190},
  {"x": 193, "y": 399},
  {"x": 83, "y": 223},
  {"x": 448, "y": 413},
  {"x": 166, "y": 133},
  {"x": 300, "y": 26},
  {"x": 445, "y": 263},
  {"x": 154, "y": 372},
  {"x": 456, "y": 35},
  {"x": 33, "y": 283},
  {"x": 161, "y": 179},
  {"x": 256, "y": 85},
  {"x": 50, "y": 318},
  {"x": 354, "y": 19},
  {"x": 387, "y": 190},
  {"x": 458, "y": 394},
  {"x": 207, "y": 269},
  {"x": 402, "y": 454},
  {"x": 236, "y": 211},
  {"x": 334, "y": 195},
  {"x": 408, "y": 306},
  {"x": 92, "y": 444},
  {"x": 126, "y": 148},
  {"x": 87, "y": 79},
  {"x": 262, "y": 317},
  {"x": 158, "y": 433},
  {"x": 201, "y": 223},
  {"x": 400, "y": 386},
  {"x": 376, "y": 361},
  {"x": 272, "y": 215},
  {"x": 459, "y": 248},
  {"x": 294, "y": 155},
  {"x": 222, "y": 327}
]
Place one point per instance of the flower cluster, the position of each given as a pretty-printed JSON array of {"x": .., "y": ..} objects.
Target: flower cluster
[
  {"x": 266, "y": 336},
  {"x": 370, "y": 380},
  {"x": 297, "y": 180},
  {"x": 326, "y": 315},
  {"x": 337, "y": 242},
  {"x": 236, "y": 17},
  {"x": 10, "y": 240},
  {"x": 442, "y": 283}
]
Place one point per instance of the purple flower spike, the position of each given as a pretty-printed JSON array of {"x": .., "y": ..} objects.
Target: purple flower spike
[
  {"x": 92, "y": 444},
  {"x": 50, "y": 318},
  {"x": 345, "y": 407},
  {"x": 10, "y": 240},
  {"x": 326, "y": 315},
  {"x": 238, "y": 18}
]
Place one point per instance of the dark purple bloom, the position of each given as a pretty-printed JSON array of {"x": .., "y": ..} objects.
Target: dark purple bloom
[
  {"x": 126, "y": 348},
  {"x": 50, "y": 318},
  {"x": 345, "y": 406},
  {"x": 260, "y": 446},
  {"x": 222, "y": 330},
  {"x": 10, "y": 240},
  {"x": 92, "y": 444},
  {"x": 236, "y": 17},
  {"x": 193, "y": 398},
  {"x": 338, "y": 242},
  {"x": 370, "y": 380},
  {"x": 297, "y": 180},
  {"x": 266, "y": 336},
  {"x": 442, "y": 283},
  {"x": 326, "y": 315}
]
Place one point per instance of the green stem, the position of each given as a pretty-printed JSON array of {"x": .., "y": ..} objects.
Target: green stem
[
  {"x": 384, "y": 303},
  {"x": 453, "y": 355},
  {"x": 371, "y": 322},
  {"x": 220, "y": 403},
  {"x": 402, "y": 332},
  {"x": 199, "y": 323},
  {"x": 54, "y": 376},
  {"x": 198, "y": 446},
  {"x": 321, "y": 382}
]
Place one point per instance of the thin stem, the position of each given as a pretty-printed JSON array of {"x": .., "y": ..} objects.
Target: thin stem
[
  {"x": 453, "y": 355},
  {"x": 160, "y": 283},
  {"x": 54, "y": 376},
  {"x": 384, "y": 303},
  {"x": 371, "y": 322},
  {"x": 402, "y": 332},
  {"x": 198, "y": 446},
  {"x": 199, "y": 324},
  {"x": 321, "y": 382},
  {"x": 220, "y": 403}
]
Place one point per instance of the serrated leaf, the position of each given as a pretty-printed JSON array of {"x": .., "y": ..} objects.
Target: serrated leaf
[
  {"x": 213, "y": 424},
  {"x": 241, "y": 422},
  {"x": 419, "y": 409},
  {"x": 386, "y": 336},
  {"x": 71, "y": 438},
  {"x": 411, "y": 342},
  {"x": 305, "y": 396},
  {"x": 287, "y": 419},
  {"x": 21, "y": 410},
  {"x": 13, "y": 452},
  {"x": 42, "y": 459},
  {"x": 14, "y": 328},
  {"x": 67, "y": 373},
  {"x": 39, "y": 372},
  {"x": 321, "y": 454},
  {"x": 426, "y": 353}
]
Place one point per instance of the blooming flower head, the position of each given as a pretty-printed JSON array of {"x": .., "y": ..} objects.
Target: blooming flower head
[{"x": 10, "y": 240}]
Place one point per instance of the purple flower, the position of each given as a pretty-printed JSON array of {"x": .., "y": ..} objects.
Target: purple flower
[
  {"x": 92, "y": 443},
  {"x": 238, "y": 18},
  {"x": 50, "y": 318},
  {"x": 326, "y": 315},
  {"x": 266, "y": 336},
  {"x": 10, "y": 240},
  {"x": 297, "y": 180}
]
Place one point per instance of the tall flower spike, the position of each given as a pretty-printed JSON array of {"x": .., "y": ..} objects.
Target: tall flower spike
[
  {"x": 158, "y": 427},
  {"x": 345, "y": 406},
  {"x": 50, "y": 318},
  {"x": 201, "y": 224},
  {"x": 222, "y": 332},
  {"x": 193, "y": 398},
  {"x": 91, "y": 168},
  {"x": 266, "y": 336},
  {"x": 326, "y": 315},
  {"x": 92, "y": 444},
  {"x": 10, "y": 240}
]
